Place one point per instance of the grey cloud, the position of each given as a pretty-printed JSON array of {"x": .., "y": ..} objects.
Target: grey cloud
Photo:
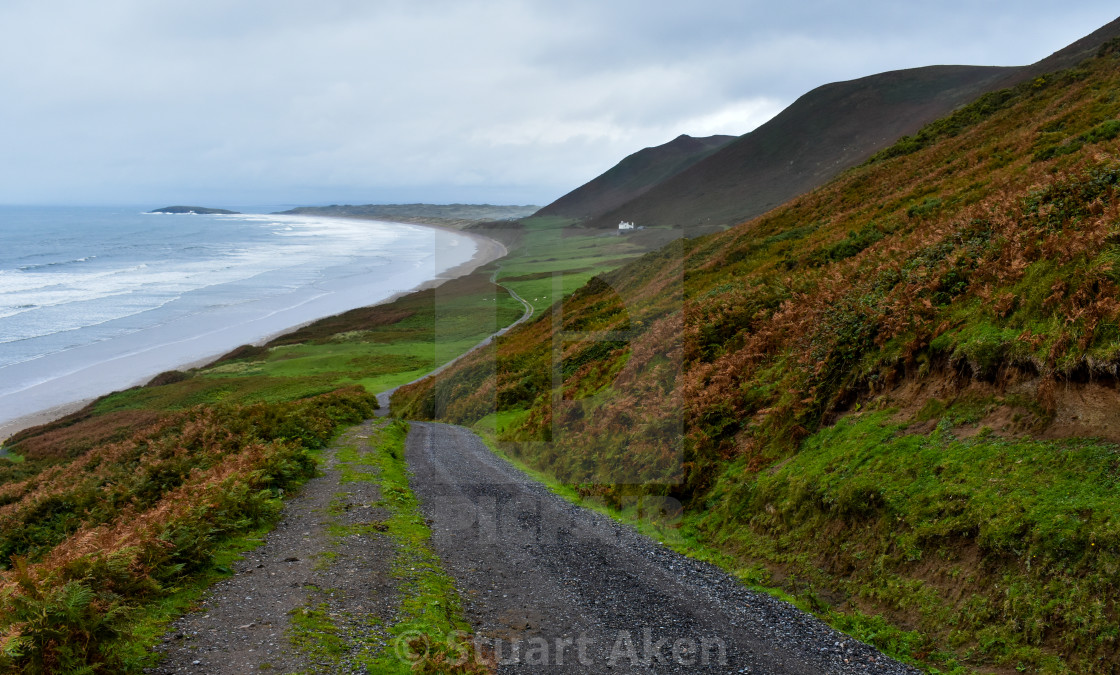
[{"x": 128, "y": 100}]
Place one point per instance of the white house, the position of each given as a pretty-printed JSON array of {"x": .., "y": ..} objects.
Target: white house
[{"x": 625, "y": 225}]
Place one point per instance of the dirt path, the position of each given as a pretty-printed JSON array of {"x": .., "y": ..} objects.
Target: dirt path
[
  {"x": 553, "y": 587},
  {"x": 546, "y": 586},
  {"x": 313, "y": 598}
]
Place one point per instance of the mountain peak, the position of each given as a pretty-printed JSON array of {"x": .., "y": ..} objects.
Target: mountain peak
[{"x": 634, "y": 175}]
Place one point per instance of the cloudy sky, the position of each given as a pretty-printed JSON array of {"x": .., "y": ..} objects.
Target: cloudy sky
[{"x": 235, "y": 102}]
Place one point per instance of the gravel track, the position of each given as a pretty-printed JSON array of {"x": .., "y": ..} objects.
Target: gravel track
[
  {"x": 553, "y": 587},
  {"x": 548, "y": 586}
]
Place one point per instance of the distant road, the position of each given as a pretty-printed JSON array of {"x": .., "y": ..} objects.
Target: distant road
[
  {"x": 383, "y": 397},
  {"x": 554, "y": 587}
]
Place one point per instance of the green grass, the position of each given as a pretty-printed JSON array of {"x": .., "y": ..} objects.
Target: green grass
[
  {"x": 556, "y": 258},
  {"x": 1041, "y": 514},
  {"x": 377, "y": 349},
  {"x": 314, "y": 633},
  {"x": 499, "y": 424}
]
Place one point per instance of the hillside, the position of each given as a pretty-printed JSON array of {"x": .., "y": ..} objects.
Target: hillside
[
  {"x": 893, "y": 396},
  {"x": 827, "y": 130},
  {"x": 633, "y": 176}
]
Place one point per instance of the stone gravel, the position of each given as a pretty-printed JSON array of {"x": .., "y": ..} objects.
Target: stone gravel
[{"x": 554, "y": 587}]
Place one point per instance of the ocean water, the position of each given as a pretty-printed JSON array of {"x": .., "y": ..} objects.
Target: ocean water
[{"x": 97, "y": 299}]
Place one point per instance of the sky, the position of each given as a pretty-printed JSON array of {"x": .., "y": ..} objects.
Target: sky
[{"x": 233, "y": 102}]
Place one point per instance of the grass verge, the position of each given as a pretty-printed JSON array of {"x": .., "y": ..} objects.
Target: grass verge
[{"x": 150, "y": 623}]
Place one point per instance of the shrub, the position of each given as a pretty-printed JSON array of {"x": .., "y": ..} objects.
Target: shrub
[{"x": 168, "y": 377}]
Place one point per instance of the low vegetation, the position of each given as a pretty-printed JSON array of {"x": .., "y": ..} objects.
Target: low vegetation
[
  {"x": 554, "y": 256},
  {"x": 95, "y": 542}
]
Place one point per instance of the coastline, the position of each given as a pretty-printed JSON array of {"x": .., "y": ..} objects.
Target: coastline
[{"x": 486, "y": 250}]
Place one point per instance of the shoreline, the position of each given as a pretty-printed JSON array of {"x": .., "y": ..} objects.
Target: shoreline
[
  {"x": 485, "y": 247},
  {"x": 487, "y": 250}
]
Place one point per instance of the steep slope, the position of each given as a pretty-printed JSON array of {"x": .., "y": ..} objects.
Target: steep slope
[
  {"x": 827, "y": 130},
  {"x": 876, "y": 395},
  {"x": 633, "y": 176}
]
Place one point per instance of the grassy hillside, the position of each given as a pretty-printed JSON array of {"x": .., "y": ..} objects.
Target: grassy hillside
[
  {"x": 826, "y": 131},
  {"x": 894, "y": 396}
]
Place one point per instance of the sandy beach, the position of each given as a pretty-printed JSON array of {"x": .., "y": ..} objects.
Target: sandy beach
[{"x": 81, "y": 380}]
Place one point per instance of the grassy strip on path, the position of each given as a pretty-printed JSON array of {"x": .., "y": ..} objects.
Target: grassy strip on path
[
  {"x": 430, "y": 621},
  {"x": 428, "y": 633}
]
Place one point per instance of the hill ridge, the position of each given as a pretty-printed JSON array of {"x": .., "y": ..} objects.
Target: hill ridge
[
  {"x": 633, "y": 176},
  {"x": 777, "y": 161}
]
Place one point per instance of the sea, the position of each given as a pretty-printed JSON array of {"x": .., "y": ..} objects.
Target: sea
[{"x": 95, "y": 299}]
